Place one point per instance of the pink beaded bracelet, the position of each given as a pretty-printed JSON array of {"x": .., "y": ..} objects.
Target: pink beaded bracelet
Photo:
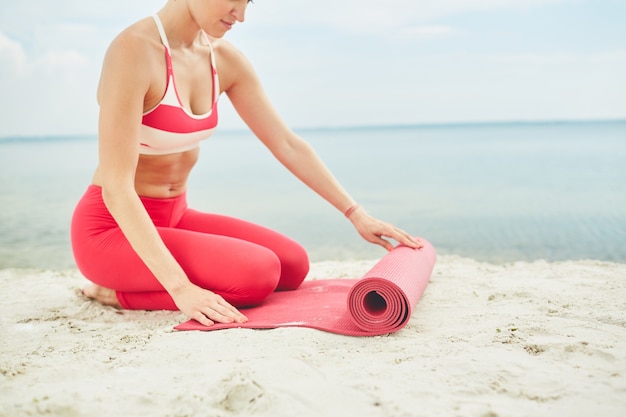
[{"x": 351, "y": 210}]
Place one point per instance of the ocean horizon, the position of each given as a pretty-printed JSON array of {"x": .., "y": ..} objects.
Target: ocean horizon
[
  {"x": 325, "y": 128},
  {"x": 496, "y": 192}
]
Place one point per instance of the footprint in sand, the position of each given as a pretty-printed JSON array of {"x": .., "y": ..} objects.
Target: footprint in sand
[{"x": 241, "y": 394}]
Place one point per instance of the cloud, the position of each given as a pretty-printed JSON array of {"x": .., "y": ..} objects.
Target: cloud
[
  {"x": 373, "y": 16},
  {"x": 47, "y": 83},
  {"x": 64, "y": 63},
  {"x": 611, "y": 58},
  {"x": 71, "y": 10},
  {"x": 12, "y": 56},
  {"x": 427, "y": 32},
  {"x": 52, "y": 62}
]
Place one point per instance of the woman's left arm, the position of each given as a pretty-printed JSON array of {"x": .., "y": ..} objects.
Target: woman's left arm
[{"x": 252, "y": 104}]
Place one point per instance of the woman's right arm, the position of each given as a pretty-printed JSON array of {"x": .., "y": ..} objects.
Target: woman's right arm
[{"x": 121, "y": 92}]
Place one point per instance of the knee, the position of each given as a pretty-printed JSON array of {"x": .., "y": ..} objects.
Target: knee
[
  {"x": 258, "y": 281},
  {"x": 294, "y": 268}
]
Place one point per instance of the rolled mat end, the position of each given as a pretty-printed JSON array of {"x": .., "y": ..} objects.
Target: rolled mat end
[{"x": 383, "y": 300}]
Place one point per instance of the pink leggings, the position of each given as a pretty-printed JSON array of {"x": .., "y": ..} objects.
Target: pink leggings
[{"x": 241, "y": 261}]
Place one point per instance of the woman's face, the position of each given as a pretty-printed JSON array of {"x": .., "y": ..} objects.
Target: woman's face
[{"x": 216, "y": 17}]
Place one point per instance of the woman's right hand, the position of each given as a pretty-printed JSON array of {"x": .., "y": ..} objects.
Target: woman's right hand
[{"x": 205, "y": 306}]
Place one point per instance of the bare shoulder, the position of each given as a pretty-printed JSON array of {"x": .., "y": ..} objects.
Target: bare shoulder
[
  {"x": 136, "y": 47},
  {"x": 232, "y": 64},
  {"x": 137, "y": 41}
]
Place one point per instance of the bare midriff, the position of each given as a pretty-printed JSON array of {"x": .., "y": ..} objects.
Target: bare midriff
[{"x": 161, "y": 176}]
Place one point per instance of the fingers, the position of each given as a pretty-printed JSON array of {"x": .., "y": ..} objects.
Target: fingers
[
  {"x": 378, "y": 239},
  {"x": 210, "y": 316},
  {"x": 223, "y": 312},
  {"x": 202, "y": 319},
  {"x": 209, "y": 308},
  {"x": 375, "y": 231},
  {"x": 399, "y": 235},
  {"x": 408, "y": 240},
  {"x": 231, "y": 313}
]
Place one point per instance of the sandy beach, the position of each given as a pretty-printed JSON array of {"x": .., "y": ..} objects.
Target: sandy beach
[{"x": 520, "y": 339}]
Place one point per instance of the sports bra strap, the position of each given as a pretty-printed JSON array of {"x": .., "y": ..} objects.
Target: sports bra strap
[{"x": 157, "y": 20}]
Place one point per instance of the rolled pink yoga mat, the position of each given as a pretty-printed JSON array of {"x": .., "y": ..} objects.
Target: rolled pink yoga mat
[{"x": 381, "y": 302}]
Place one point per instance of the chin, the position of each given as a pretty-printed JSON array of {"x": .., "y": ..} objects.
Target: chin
[{"x": 215, "y": 34}]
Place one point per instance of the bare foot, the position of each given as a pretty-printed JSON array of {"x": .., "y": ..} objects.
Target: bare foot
[{"x": 104, "y": 296}]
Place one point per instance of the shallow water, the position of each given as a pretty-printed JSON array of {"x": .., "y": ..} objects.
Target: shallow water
[{"x": 494, "y": 192}]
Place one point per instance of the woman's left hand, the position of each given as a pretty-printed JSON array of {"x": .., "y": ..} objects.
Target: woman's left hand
[{"x": 375, "y": 231}]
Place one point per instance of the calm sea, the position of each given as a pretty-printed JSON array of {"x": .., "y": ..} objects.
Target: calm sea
[{"x": 493, "y": 192}]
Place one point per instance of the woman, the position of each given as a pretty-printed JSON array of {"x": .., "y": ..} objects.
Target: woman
[{"x": 133, "y": 235}]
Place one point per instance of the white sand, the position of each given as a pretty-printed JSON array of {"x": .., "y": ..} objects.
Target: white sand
[{"x": 525, "y": 339}]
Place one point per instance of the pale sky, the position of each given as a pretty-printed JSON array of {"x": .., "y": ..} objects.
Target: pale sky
[{"x": 343, "y": 62}]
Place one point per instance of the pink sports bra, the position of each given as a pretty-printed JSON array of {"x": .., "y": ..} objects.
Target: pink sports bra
[{"x": 169, "y": 127}]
